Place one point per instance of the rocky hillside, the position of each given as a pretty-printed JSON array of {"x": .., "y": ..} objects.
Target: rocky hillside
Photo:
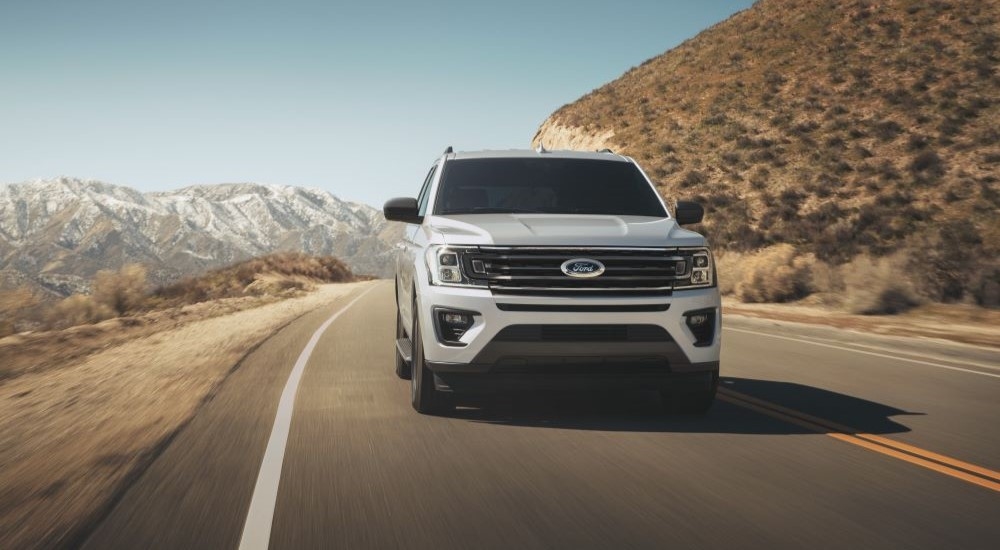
[
  {"x": 843, "y": 128},
  {"x": 58, "y": 233}
]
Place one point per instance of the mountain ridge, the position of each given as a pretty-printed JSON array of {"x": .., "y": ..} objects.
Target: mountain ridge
[
  {"x": 58, "y": 232},
  {"x": 844, "y": 128}
]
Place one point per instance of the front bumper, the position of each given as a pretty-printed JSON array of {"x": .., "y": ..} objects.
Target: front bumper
[
  {"x": 485, "y": 359},
  {"x": 449, "y": 380}
]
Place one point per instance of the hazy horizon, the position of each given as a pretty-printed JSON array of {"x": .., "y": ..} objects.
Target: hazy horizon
[{"x": 357, "y": 100}]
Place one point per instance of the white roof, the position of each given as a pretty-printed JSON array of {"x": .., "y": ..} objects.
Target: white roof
[{"x": 531, "y": 153}]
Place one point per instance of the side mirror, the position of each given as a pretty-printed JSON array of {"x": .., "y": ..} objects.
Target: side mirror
[
  {"x": 402, "y": 209},
  {"x": 687, "y": 213}
]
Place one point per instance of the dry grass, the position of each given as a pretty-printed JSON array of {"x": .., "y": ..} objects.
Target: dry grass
[
  {"x": 875, "y": 288},
  {"x": 775, "y": 274},
  {"x": 15, "y": 306},
  {"x": 126, "y": 292},
  {"x": 866, "y": 285},
  {"x": 42, "y": 350},
  {"x": 113, "y": 294},
  {"x": 120, "y": 307},
  {"x": 73, "y": 436},
  {"x": 272, "y": 274},
  {"x": 843, "y": 128},
  {"x": 79, "y": 309},
  {"x": 729, "y": 270}
]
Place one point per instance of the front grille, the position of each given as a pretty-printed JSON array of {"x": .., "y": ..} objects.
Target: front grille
[
  {"x": 537, "y": 271},
  {"x": 583, "y": 333}
]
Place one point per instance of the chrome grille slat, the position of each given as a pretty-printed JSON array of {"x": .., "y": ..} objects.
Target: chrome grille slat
[
  {"x": 537, "y": 270},
  {"x": 555, "y": 269},
  {"x": 592, "y": 289},
  {"x": 563, "y": 277}
]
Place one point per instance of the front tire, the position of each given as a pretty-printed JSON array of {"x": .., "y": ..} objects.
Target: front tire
[
  {"x": 425, "y": 398},
  {"x": 402, "y": 369}
]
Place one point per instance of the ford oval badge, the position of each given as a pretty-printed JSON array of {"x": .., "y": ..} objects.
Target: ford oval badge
[{"x": 582, "y": 267}]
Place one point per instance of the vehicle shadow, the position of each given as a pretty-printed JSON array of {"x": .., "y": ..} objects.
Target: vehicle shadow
[{"x": 643, "y": 412}]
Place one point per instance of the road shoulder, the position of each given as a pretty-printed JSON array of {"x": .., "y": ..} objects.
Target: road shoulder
[
  {"x": 957, "y": 323},
  {"x": 81, "y": 434}
]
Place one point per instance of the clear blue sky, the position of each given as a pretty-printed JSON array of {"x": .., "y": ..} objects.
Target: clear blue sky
[{"x": 357, "y": 98}]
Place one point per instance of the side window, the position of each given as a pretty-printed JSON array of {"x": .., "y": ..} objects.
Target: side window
[{"x": 425, "y": 192}]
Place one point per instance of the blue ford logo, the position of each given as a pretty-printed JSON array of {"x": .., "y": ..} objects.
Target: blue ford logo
[{"x": 582, "y": 267}]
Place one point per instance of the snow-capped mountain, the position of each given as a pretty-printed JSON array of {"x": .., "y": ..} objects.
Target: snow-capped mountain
[{"x": 58, "y": 233}]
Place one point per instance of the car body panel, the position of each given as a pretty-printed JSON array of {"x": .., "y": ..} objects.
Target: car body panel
[{"x": 564, "y": 230}]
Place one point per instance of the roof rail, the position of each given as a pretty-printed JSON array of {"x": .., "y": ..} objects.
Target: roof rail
[{"x": 605, "y": 150}]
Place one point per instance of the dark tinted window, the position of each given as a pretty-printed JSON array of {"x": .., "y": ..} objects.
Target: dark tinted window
[{"x": 545, "y": 185}]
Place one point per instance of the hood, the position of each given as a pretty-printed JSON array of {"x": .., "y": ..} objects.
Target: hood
[{"x": 562, "y": 230}]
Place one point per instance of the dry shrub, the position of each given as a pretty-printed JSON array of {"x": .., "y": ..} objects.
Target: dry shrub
[
  {"x": 122, "y": 291},
  {"x": 775, "y": 274},
  {"x": 728, "y": 266},
  {"x": 987, "y": 286},
  {"x": 257, "y": 276},
  {"x": 117, "y": 293},
  {"x": 875, "y": 286},
  {"x": 14, "y": 305},
  {"x": 827, "y": 278},
  {"x": 78, "y": 309},
  {"x": 951, "y": 262},
  {"x": 277, "y": 285}
]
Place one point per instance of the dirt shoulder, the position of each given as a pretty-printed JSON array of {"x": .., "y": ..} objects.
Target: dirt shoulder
[
  {"x": 34, "y": 352},
  {"x": 75, "y": 430},
  {"x": 966, "y": 324}
]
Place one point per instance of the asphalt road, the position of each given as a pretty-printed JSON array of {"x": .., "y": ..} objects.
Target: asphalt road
[{"x": 821, "y": 438}]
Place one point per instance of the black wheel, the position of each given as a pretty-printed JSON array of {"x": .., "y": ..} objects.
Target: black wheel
[
  {"x": 402, "y": 369},
  {"x": 690, "y": 402},
  {"x": 425, "y": 398}
]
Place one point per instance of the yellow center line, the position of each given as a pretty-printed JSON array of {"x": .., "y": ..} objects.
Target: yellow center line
[
  {"x": 984, "y": 477},
  {"x": 954, "y": 462}
]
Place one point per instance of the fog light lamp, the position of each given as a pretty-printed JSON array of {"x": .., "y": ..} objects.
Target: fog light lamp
[
  {"x": 449, "y": 274},
  {"x": 697, "y": 320},
  {"x": 452, "y": 324},
  {"x": 702, "y": 325},
  {"x": 459, "y": 319}
]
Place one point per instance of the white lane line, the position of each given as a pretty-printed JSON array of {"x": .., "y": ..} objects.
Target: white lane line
[
  {"x": 257, "y": 529},
  {"x": 872, "y": 353},
  {"x": 910, "y": 353},
  {"x": 891, "y": 351}
]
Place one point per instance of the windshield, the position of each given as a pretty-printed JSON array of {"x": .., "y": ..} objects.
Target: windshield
[{"x": 545, "y": 185}]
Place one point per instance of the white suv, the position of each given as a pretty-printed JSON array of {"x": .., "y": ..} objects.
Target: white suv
[{"x": 552, "y": 270}]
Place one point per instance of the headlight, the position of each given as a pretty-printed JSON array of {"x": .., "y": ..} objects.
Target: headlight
[
  {"x": 702, "y": 272},
  {"x": 446, "y": 267}
]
